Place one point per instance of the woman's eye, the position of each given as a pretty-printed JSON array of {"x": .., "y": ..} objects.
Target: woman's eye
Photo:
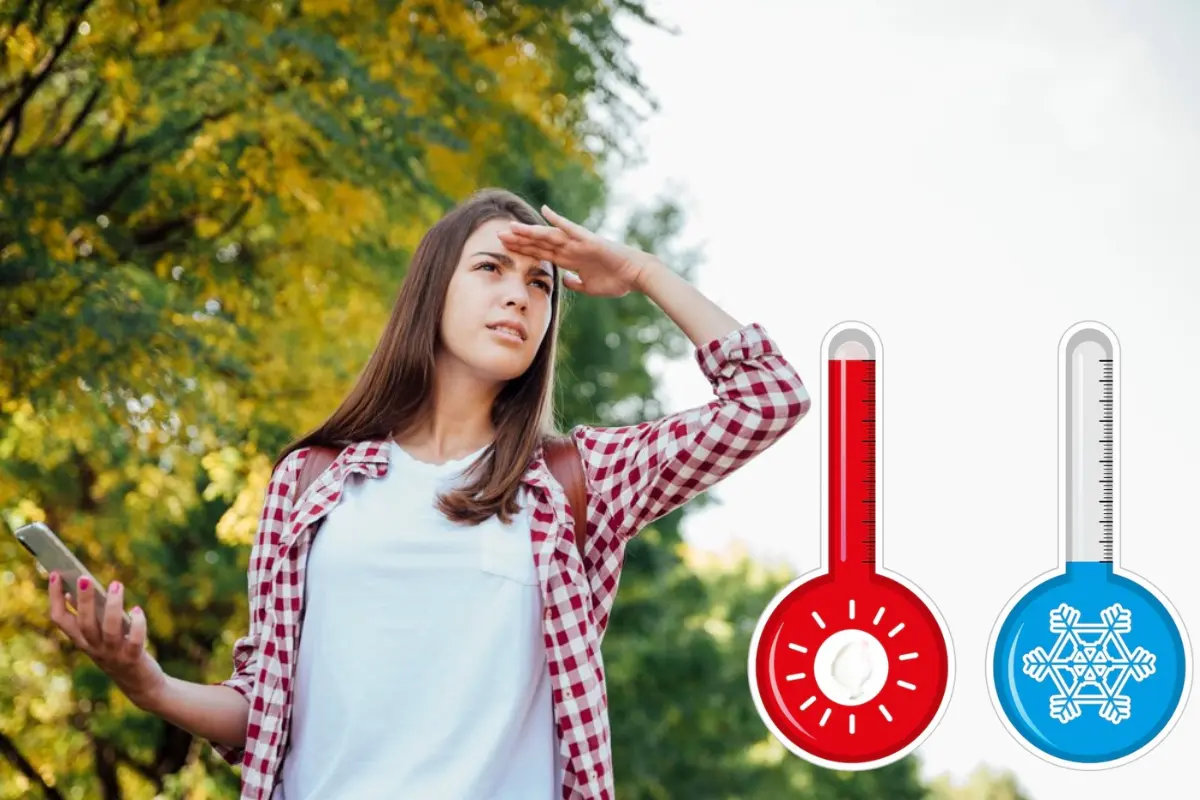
[{"x": 541, "y": 283}]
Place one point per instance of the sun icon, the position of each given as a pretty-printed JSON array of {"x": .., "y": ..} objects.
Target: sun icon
[{"x": 853, "y": 688}]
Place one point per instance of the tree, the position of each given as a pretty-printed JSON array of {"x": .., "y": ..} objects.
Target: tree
[
  {"x": 207, "y": 211},
  {"x": 982, "y": 784}
]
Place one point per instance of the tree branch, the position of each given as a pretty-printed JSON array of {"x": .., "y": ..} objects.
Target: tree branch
[
  {"x": 106, "y": 767},
  {"x": 109, "y": 200},
  {"x": 33, "y": 81},
  {"x": 161, "y": 232},
  {"x": 115, "y": 150},
  {"x": 49, "y": 125},
  {"x": 172, "y": 753},
  {"x": 9, "y": 750},
  {"x": 14, "y": 133},
  {"x": 39, "y": 16},
  {"x": 235, "y": 218},
  {"x": 120, "y": 148},
  {"x": 8, "y": 86},
  {"x": 161, "y": 235},
  {"x": 63, "y": 138},
  {"x": 147, "y": 772},
  {"x": 108, "y": 755}
]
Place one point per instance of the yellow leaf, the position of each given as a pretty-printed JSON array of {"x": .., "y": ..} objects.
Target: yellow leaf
[{"x": 206, "y": 227}]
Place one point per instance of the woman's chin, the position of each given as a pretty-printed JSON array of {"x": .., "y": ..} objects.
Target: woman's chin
[{"x": 503, "y": 369}]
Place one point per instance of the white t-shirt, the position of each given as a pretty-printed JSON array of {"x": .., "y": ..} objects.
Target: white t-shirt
[{"x": 422, "y": 670}]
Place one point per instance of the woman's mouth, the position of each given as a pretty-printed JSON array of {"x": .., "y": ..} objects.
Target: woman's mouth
[{"x": 507, "y": 332}]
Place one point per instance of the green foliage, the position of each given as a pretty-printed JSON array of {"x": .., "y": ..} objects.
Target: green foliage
[{"x": 982, "y": 784}]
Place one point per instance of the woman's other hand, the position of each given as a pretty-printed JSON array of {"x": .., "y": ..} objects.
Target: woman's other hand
[{"x": 122, "y": 656}]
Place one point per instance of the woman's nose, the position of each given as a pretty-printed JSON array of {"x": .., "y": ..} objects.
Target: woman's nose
[{"x": 516, "y": 293}]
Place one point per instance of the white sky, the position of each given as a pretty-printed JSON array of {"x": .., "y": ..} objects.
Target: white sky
[{"x": 933, "y": 169}]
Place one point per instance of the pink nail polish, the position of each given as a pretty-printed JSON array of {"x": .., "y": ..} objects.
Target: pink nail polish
[
  {"x": 54, "y": 577},
  {"x": 83, "y": 584},
  {"x": 114, "y": 586}
]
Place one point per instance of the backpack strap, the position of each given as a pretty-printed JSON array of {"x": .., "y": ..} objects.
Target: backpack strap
[
  {"x": 565, "y": 463},
  {"x": 562, "y": 457},
  {"x": 317, "y": 461}
]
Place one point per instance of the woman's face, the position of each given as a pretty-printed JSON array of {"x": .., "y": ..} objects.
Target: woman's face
[{"x": 497, "y": 307}]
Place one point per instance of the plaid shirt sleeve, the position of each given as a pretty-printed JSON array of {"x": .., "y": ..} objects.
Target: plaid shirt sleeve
[
  {"x": 272, "y": 523},
  {"x": 638, "y": 473}
]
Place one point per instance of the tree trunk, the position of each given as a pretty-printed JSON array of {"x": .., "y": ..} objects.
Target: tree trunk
[
  {"x": 106, "y": 769},
  {"x": 9, "y": 750}
]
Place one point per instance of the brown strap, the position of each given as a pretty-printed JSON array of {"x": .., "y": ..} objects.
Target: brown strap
[
  {"x": 567, "y": 467},
  {"x": 316, "y": 462},
  {"x": 562, "y": 457}
]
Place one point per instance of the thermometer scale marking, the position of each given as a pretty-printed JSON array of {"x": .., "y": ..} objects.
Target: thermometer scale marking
[{"x": 1106, "y": 463}]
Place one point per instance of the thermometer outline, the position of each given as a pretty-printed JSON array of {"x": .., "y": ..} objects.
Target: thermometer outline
[
  {"x": 1064, "y": 532},
  {"x": 878, "y": 567}
]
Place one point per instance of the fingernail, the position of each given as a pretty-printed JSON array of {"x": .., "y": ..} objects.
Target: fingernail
[
  {"x": 136, "y": 610},
  {"x": 83, "y": 583},
  {"x": 114, "y": 586},
  {"x": 54, "y": 577}
]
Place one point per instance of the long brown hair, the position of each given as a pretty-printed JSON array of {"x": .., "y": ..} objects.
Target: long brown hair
[{"x": 394, "y": 388}]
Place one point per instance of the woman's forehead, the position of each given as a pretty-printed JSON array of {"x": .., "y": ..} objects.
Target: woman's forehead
[{"x": 486, "y": 241}]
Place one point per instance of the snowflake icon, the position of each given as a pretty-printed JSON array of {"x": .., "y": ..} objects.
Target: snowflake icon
[{"x": 1090, "y": 663}]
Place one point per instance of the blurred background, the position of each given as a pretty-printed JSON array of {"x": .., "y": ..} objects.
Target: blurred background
[{"x": 206, "y": 209}]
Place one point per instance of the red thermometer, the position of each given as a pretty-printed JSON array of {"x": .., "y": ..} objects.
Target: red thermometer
[{"x": 851, "y": 665}]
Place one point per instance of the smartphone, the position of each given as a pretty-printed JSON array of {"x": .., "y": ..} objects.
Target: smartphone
[{"x": 52, "y": 555}]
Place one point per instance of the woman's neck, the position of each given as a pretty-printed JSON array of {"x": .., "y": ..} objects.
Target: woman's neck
[{"x": 457, "y": 420}]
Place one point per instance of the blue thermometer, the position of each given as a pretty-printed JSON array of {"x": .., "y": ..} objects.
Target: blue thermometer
[{"x": 1089, "y": 665}]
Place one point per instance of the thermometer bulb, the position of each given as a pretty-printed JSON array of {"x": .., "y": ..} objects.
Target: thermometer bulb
[
  {"x": 1088, "y": 665},
  {"x": 850, "y": 666}
]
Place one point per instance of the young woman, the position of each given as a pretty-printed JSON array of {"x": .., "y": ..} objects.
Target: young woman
[{"x": 440, "y": 637}]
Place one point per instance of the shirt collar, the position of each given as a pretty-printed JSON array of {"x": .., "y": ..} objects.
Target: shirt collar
[{"x": 375, "y": 451}]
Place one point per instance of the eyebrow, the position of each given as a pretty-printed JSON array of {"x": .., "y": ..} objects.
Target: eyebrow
[{"x": 508, "y": 262}]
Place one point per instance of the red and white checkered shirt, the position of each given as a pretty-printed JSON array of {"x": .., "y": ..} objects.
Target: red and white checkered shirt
[{"x": 635, "y": 474}]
